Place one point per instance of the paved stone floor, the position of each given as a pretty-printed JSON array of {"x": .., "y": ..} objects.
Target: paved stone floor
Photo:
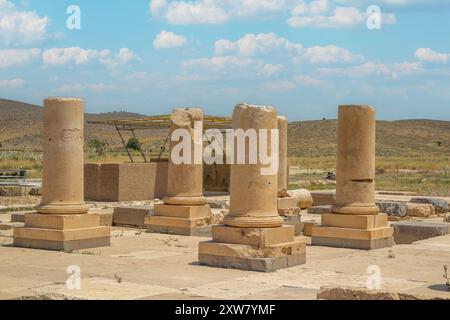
[{"x": 141, "y": 265}]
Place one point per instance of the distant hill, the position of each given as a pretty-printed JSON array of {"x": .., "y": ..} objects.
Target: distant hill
[
  {"x": 21, "y": 125},
  {"x": 401, "y": 138}
]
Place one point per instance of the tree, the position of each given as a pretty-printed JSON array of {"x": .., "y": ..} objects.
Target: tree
[
  {"x": 98, "y": 146},
  {"x": 134, "y": 144}
]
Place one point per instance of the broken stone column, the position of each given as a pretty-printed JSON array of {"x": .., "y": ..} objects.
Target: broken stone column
[
  {"x": 287, "y": 205},
  {"x": 283, "y": 170},
  {"x": 253, "y": 236},
  {"x": 61, "y": 220},
  {"x": 355, "y": 221},
  {"x": 185, "y": 211}
]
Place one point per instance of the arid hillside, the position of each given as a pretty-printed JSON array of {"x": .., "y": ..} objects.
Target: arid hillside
[
  {"x": 20, "y": 128},
  {"x": 21, "y": 125}
]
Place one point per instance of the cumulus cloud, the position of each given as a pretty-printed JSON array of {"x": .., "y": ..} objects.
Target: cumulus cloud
[
  {"x": 327, "y": 54},
  {"x": 19, "y": 26},
  {"x": 16, "y": 57},
  {"x": 271, "y": 69},
  {"x": 124, "y": 57},
  {"x": 429, "y": 55},
  {"x": 321, "y": 14},
  {"x": 94, "y": 87},
  {"x": 166, "y": 40},
  {"x": 213, "y": 11},
  {"x": 370, "y": 69},
  {"x": 295, "y": 82},
  {"x": 79, "y": 56},
  {"x": 222, "y": 63},
  {"x": 252, "y": 44},
  {"x": 12, "y": 84}
]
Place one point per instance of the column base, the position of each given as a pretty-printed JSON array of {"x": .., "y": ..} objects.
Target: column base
[
  {"x": 180, "y": 220},
  {"x": 288, "y": 206},
  {"x": 366, "y": 232},
  {"x": 185, "y": 201},
  {"x": 61, "y": 232},
  {"x": 253, "y": 249},
  {"x": 63, "y": 209}
]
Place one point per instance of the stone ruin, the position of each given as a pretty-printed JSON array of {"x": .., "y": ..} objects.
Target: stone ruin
[
  {"x": 253, "y": 235},
  {"x": 62, "y": 221}
]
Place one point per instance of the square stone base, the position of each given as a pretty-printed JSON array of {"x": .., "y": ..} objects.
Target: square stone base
[
  {"x": 364, "y": 232},
  {"x": 252, "y": 264},
  {"x": 68, "y": 245},
  {"x": 352, "y": 238},
  {"x": 180, "y": 220},
  {"x": 180, "y": 231},
  {"x": 256, "y": 249},
  {"x": 133, "y": 217},
  {"x": 56, "y": 232},
  {"x": 353, "y": 243},
  {"x": 288, "y": 206}
]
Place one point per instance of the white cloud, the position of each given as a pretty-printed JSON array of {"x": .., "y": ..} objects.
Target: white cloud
[
  {"x": 189, "y": 12},
  {"x": 95, "y": 87},
  {"x": 271, "y": 69},
  {"x": 19, "y": 26},
  {"x": 317, "y": 14},
  {"x": 294, "y": 83},
  {"x": 371, "y": 69},
  {"x": 166, "y": 39},
  {"x": 223, "y": 63},
  {"x": 327, "y": 54},
  {"x": 124, "y": 57},
  {"x": 213, "y": 11},
  {"x": 429, "y": 55},
  {"x": 15, "y": 57},
  {"x": 156, "y": 6},
  {"x": 79, "y": 56},
  {"x": 252, "y": 44},
  {"x": 11, "y": 84},
  {"x": 314, "y": 7}
]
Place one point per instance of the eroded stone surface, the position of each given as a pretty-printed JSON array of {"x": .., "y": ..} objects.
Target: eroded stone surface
[
  {"x": 393, "y": 208},
  {"x": 409, "y": 232},
  {"x": 420, "y": 210},
  {"x": 440, "y": 205}
]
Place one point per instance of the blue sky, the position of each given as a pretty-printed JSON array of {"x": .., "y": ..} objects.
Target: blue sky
[{"x": 304, "y": 57}]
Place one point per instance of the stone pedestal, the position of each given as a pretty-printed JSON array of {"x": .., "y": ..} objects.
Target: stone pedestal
[
  {"x": 355, "y": 221},
  {"x": 185, "y": 211},
  {"x": 61, "y": 221},
  {"x": 253, "y": 236}
]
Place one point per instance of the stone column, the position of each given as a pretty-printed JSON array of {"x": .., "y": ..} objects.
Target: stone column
[
  {"x": 185, "y": 181},
  {"x": 288, "y": 206},
  {"x": 185, "y": 210},
  {"x": 253, "y": 196},
  {"x": 355, "y": 170},
  {"x": 62, "y": 221},
  {"x": 355, "y": 221},
  {"x": 283, "y": 171},
  {"x": 63, "y": 157},
  {"x": 253, "y": 236}
]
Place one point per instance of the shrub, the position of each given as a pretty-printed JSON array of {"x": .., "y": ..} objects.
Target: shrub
[{"x": 134, "y": 144}]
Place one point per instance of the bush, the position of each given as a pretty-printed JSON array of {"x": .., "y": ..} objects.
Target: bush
[
  {"x": 98, "y": 146},
  {"x": 134, "y": 144}
]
